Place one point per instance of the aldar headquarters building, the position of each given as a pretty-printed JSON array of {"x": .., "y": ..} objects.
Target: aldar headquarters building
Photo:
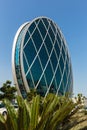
[{"x": 40, "y": 59}]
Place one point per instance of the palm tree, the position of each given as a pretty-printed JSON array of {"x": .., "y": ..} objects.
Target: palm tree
[{"x": 39, "y": 114}]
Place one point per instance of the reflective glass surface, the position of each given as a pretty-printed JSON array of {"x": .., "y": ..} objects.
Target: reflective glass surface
[
  {"x": 18, "y": 65},
  {"x": 46, "y": 60}
]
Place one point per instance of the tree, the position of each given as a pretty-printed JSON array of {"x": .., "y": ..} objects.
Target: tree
[
  {"x": 37, "y": 115},
  {"x": 7, "y": 91}
]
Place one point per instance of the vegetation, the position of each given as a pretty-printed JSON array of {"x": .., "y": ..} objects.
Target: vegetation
[
  {"x": 47, "y": 114},
  {"x": 38, "y": 113},
  {"x": 7, "y": 91},
  {"x": 32, "y": 93}
]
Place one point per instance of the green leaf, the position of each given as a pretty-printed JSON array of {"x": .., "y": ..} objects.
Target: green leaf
[
  {"x": 2, "y": 119},
  {"x": 11, "y": 116},
  {"x": 34, "y": 112},
  {"x": 23, "y": 115}
]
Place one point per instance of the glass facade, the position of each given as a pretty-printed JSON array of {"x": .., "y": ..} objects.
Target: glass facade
[{"x": 42, "y": 60}]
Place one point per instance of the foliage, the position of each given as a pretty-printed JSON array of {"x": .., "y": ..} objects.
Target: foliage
[
  {"x": 38, "y": 114},
  {"x": 32, "y": 93},
  {"x": 7, "y": 91}
]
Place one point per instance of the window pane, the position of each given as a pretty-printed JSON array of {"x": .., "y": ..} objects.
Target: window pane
[
  {"x": 30, "y": 52},
  {"x": 48, "y": 44},
  {"x": 61, "y": 64},
  {"x": 25, "y": 64},
  {"x": 57, "y": 49},
  {"x": 45, "y": 22},
  {"x": 43, "y": 56},
  {"x": 26, "y": 37},
  {"x": 37, "y": 39},
  {"x": 51, "y": 34},
  {"x": 53, "y": 27},
  {"x": 32, "y": 27},
  {"x": 48, "y": 74},
  {"x": 42, "y": 29},
  {"x": 58, "y": 76},
  {"x": 36, "y": 70},
  {"x": 54, "y": 60},
  {"x": 29, "y": 81},
  {"x": 58, "y": 40}
]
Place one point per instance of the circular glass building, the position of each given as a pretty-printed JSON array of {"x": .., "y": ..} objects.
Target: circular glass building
[{"x": 40, "y": 59}]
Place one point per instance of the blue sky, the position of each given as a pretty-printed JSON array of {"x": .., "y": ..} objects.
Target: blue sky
[{"x": 70, "y": 16}]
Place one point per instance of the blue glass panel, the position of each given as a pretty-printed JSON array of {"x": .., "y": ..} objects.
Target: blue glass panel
[
  {"x": 17, "y": 51},
  {"x": 57, "y": 49},
  {"x": 53, "y": 27},
  {"x": 25, "y": 64},
  {"x": 30, "y": 52},
  {"x": 48, "y": 44},
  {"x": 43, "y": 56},
  {"x": 42, "y": 29},
  {"x": 58, "y": 76},
  {"x": 36, "y": 70},
  {"x": 61, "y": 90},
  {"x": 32, "y": 27},
  {"x": 61, "y": 64},
  {"x": 55, "y": 83},
  {"x": 68, "y": 86},
  {"x": 51, "y": 34},
  {"x": 59, "y": 40},
  {"x": 64, "y": 79},
  {"x": 69, "y": 82},
  {"x": 54, "y": 60},
  {"x": 64, "y": 45},
  {"x": 29, "y": 81},
  {"x": 68, "y": 57},
  {"x": 45, "y": 22},
  {"x": 26, "y": 38},
  {"x": 67, "y": 68},
  {"x": 17, "y": 56},
  {"x": 37, "y": 39},
  {"x": 59, "y": 33},
  {"x": 43, "y": 81},
  {"x": 63, "y": 53},
  {"x": 48, "y": 74}
]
